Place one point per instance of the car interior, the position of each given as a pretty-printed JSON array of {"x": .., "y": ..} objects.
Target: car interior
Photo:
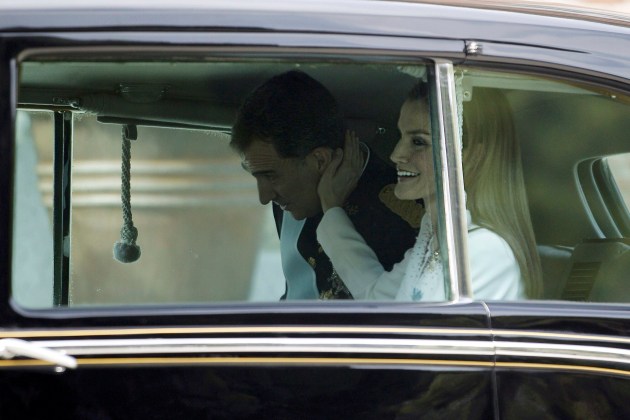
[{"x": 197, "y": 210}]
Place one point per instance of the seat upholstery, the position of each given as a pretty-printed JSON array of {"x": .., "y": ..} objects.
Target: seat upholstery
[
  {"x": 598, "y": 271},
  {"x": 554, "y": 260}
]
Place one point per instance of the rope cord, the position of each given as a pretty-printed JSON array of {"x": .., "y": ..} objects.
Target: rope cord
[
  {"x": 128, "y": 232},
  {"x": 126, "y": 250}
]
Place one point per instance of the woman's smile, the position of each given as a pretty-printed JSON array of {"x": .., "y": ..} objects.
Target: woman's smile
[{"x": 404, "y": 175}]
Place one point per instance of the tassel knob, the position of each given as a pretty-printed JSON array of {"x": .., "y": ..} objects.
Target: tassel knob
[{"x": 126, "y": 250}]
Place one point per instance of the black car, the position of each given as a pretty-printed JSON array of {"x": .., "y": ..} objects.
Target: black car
[{"x": 117, "y": 104}]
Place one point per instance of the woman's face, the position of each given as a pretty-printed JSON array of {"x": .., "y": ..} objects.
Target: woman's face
[{"x": 413, "y": 154}]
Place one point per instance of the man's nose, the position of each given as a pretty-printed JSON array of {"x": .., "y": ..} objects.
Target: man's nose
[{"x": 265, "y": 192}]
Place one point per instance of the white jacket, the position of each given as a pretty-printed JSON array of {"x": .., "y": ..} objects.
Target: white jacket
[{"x": 495, "y": 274}]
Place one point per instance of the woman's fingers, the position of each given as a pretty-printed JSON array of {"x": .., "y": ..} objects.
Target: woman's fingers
[
  {"x": 335, "y": 162},
  {"x": 353, "y": 157},
  {"x": 350, "y": 145},
  {"x": 342, "y": 174},
  {"x": 353, "y": 150}
]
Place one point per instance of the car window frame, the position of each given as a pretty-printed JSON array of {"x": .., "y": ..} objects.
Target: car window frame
[
  {"x": 28, "y": 46},
  {"x": 452, "y": 223}
]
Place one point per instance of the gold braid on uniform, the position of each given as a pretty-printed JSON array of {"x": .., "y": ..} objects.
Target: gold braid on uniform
[
  {"x": 337, "y": 287},
  {"x": 409, "y": 210}
]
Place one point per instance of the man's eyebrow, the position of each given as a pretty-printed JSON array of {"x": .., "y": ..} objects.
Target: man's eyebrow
[
  {"x": 256, "y": 173},
  {"x": 262, "y": 173}
]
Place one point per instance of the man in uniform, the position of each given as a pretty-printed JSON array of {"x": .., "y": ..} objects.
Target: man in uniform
[{"x": 286, "y": 132}]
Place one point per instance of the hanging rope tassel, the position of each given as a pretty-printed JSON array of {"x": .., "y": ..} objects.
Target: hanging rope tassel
[{"x": 126, "y": 250}]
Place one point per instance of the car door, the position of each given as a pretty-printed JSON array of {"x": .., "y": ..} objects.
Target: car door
[
  {"x": 566, "y": 355},
  {"x": 86, "y": 337}
]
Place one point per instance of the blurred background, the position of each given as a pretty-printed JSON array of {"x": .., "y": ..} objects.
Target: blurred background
[{"x": 613, "y": 5}]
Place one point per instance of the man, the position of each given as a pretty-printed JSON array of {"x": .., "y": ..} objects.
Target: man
[{"x": 286, "y": 132}]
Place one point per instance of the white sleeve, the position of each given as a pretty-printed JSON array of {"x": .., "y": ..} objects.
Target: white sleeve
[
  {"x": 494, "y": 271},
  {"x": 355, "y": 262}
]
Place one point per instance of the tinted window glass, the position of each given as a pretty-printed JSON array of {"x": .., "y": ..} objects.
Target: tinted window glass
[
  {"x": 539, "y": 214},
  {"x": 539, "y": 201},
  {"x": 146, "y": 145}
]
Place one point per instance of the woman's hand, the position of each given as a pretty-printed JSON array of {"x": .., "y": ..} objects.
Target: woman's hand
[{"x": 341, "y": 176}]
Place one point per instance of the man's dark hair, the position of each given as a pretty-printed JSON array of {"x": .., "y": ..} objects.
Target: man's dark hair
[{"x": 293, "y": 112}]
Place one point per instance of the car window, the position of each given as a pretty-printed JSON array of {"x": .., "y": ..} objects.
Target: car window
[
  {"x": 101, "y": 155},
  {"x": 112, "y": 146},
  {"x": 539, "y": 199}
]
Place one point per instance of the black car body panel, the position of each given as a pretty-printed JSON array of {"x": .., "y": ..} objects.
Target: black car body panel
[{"x": 460, "y": 359}]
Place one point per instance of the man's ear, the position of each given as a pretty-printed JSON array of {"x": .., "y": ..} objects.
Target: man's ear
[{"x": 321, "y": 158}]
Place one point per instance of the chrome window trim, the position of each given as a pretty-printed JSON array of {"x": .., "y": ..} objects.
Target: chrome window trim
[
  {"x": 226, "y": 44},
  {"x": 502, "y": 348},
  {"x": 529, "y": 351},
  {"x": 498, "y": 335},
  {"x": 564, "y": 351},
  {"x": 272, "y": 344},
  {"x": 451, "y": 201}
]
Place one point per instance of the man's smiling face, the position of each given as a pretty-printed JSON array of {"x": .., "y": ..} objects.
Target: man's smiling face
[{"x": 289, "y": 182}]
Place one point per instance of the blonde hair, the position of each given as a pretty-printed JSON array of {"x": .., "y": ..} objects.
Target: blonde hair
[{"x": 494, "y": 183}]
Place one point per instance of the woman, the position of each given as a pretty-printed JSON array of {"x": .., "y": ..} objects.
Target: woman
[{"x": 504, "y": 262}]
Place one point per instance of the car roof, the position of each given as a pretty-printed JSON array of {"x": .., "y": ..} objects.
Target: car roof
[
  {"x": 597, "y": 40},
  {"x": 573, "y": 10},
  {"x": 528, "y": 23}
]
